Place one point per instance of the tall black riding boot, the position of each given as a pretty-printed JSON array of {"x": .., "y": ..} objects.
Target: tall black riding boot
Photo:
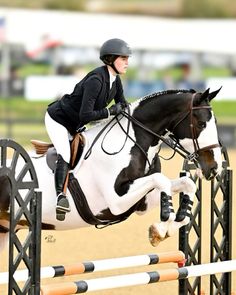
[{"x": 61, "y": 172}]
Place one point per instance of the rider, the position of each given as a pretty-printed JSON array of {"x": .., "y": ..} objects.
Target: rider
[{"x": 88, "y": 102}]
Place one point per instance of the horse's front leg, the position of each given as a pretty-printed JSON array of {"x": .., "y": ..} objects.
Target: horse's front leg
[
  {"x": 137, "y": 190},
  {"x": 186, "y": 186},
  {"x": 158, "y": 231}
]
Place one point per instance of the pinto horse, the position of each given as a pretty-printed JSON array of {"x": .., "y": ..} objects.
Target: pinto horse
[{"x": 119, "y": 170}]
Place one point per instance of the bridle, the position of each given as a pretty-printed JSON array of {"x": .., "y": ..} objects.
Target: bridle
[
  {"x": 173, "y": 144},
  {"x": 196, "y": 146},
  {"x": 193, "y": 156}
]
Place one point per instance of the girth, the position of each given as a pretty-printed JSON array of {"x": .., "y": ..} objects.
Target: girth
[
  {"x": 85, "y": 212},
  {"x": 81, "y": 202}
]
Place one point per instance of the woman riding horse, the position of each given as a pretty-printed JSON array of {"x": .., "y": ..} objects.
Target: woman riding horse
[
  {"x": 118, "y": 173},
  {"x": 88, "y": 102}
]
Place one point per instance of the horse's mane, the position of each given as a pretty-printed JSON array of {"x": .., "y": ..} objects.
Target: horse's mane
[
  {"x": 145, "y": 98},
  {"x": 166, "y": 92}
]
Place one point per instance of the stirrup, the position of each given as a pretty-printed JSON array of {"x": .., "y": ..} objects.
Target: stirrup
[{"x": 62, "y": 207}]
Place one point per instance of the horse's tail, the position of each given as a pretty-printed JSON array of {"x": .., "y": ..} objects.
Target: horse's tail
[{"x": 41, "y": 147}]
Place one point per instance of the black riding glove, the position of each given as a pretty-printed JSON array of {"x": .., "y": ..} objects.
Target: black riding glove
[
  {"x": 115, "y": 109},
  {"x": 124, "y": 104}
]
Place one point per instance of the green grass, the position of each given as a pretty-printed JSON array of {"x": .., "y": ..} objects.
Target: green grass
[
  {"x": 225, "y": 111},
  {"x": 29, "y": 69},
  {"x": 19, "y": 108},
  {"x": 14, "y": 114}
]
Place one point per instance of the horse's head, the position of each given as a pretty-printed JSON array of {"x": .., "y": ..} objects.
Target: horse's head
[{"x": 197, "y": 133}]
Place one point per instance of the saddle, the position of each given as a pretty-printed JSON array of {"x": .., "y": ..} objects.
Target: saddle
[{"x": 45, "y": 148}]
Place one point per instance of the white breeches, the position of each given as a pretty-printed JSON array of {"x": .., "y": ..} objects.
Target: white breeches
[{"x": 59, "y": 136}]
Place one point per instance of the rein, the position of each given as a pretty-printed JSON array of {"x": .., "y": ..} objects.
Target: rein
[
  {"x": 177, "y": 147},
  {"x": 89, "y": 151},
  {"x": 115, "y": 120}
]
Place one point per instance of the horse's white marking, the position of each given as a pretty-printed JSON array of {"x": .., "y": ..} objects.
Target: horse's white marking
[{"x": 208, "y": 136}]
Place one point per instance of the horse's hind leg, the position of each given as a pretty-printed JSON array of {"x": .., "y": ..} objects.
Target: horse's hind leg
[
  {"x": 5, "y": 192},
  {"x": 188, "y": 188},
  {"x": 3, "y": 240}
]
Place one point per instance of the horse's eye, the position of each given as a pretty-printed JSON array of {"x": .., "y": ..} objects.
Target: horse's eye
[{"x": 202, "y": 124}]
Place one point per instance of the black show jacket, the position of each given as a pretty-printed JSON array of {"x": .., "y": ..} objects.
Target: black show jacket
[{"x": 88, "y": 101}]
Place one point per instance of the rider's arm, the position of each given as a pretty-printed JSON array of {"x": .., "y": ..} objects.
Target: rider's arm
[
  {"x": 91, "y": 92},
  {"x": 119, "y": 97}
]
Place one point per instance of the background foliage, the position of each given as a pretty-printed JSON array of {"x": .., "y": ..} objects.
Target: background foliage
[
  {"x": 24, "y": 120},
  {"x": 174, "y": 8}
]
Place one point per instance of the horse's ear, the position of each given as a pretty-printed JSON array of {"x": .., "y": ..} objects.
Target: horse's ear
[
  {"x": 205, "y": 94},
  {"x": 213, "y": 94},
  {"x": 200, "y": 98}
]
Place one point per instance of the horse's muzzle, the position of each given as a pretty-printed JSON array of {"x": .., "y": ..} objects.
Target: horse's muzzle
[{"x": 211, "y": 174}]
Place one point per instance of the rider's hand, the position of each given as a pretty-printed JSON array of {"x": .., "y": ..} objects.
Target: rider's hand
[
  {"x": 115, "y": 109},
  {"x": 124, "y": 104}
]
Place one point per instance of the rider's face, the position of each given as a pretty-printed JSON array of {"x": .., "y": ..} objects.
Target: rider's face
[{"x": 121, "y": 64}]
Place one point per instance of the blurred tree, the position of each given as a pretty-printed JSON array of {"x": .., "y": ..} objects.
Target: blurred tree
[
  {"x": 171, "y": 8},
  {"x": 75, "y": 5},
  {"x": 208, "y": 8},
  {"x": 65, "y": 5}
]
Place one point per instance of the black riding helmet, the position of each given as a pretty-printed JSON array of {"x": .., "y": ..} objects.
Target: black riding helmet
[{"x": 113, "y": 48}]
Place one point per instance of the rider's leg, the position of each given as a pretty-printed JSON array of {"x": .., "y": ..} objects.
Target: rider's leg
[
  {"x": 61, "y": 174},
  {"x": 60, "y": 138}
]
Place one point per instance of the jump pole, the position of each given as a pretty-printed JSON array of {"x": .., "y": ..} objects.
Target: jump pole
[
  {"x": 138, "y": 278},
  {"x": 99, "y": 265}
]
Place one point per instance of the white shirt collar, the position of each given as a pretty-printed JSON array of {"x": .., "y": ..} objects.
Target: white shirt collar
[{"x": 112, "y": 79}]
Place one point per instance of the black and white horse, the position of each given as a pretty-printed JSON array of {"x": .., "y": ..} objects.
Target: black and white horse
[{"x": 119, "y": 169}]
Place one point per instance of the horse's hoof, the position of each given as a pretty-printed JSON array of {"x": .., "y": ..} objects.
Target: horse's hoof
[{"x": 154, "y": 236}]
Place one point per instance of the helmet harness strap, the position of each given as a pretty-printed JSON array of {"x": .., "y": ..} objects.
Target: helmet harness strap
[{"x": 113, "y": 66}]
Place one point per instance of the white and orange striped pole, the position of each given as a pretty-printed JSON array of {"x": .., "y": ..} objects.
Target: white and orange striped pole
[
  {"x": 99, "y": 265},
  {"x": 138, "y": 278}
]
